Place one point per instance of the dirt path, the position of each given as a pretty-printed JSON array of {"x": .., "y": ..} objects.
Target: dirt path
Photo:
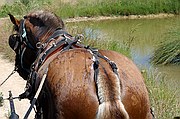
[{"x": 16, "y": 85}]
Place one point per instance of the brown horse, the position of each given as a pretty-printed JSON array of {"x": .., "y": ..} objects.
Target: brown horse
[{"x": 81, "y": 82}]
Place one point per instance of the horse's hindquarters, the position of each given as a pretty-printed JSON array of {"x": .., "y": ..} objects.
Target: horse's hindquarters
[
  {"x": 71, "y": 81},
  {"x": 134, "y": 93}
]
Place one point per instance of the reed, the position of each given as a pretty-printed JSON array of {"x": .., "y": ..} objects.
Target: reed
[{"x": 168, "y": 52}]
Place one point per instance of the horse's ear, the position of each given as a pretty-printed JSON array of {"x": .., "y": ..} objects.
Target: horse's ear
[{"x": 14, "y": 20}]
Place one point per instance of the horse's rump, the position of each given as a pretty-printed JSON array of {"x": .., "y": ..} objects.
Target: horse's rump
[{"x": 71, "y": 81}]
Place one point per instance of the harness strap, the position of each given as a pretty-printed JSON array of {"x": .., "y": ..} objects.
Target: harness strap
[
  {"x": 49, "y": 51},
  {"x": 57, "y": 33},
  {"x": 23, "y": 34},
  {"x": 96, "y": 56},
  {"x": 96, "y": 67},
  {"x": 111, "y": 63}
]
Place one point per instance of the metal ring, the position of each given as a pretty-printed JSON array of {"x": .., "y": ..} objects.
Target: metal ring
[
  {"x": 79, "y": 37},
  {"x": 39, "y": 45}
]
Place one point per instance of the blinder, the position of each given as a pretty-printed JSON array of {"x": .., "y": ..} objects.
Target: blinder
[
  {"x": 21, "y": 38},
  {"x": 14, "y": 41}
]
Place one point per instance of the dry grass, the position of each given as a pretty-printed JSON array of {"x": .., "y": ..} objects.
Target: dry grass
[{"x": 6, "y": 29}]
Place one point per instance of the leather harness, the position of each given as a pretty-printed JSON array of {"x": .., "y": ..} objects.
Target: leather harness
[{"x": 46, "y": 50}]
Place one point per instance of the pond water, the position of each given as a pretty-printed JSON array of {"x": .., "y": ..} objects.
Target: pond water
[{"x": 146, "y": 34}]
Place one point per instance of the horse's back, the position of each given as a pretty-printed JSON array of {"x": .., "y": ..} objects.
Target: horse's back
[
  {"x": 72, "y": 83},
  {"x": 71, "y": 79}
]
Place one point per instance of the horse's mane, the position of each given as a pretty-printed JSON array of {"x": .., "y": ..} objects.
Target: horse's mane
[
  {"x": 44, "y": 22},
  {"x": 49, "y": 19}
]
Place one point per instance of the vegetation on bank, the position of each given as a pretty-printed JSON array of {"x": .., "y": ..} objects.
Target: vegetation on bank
[
  {"x": 80, "y": 8},
  {"x": 168, "y": 52},
  {"x": 164, "y": 99}
]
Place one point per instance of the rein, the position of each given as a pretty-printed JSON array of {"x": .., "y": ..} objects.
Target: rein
[
  {"x": 36, "y": 95},
  {"x": 14, "y": 70}
]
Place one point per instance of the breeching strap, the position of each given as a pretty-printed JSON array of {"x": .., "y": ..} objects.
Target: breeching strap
[{"x": 36, "y": 95}]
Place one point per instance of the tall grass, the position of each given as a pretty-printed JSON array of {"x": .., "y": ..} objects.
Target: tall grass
[
  {"x": 168, "y": 52},
  {"x": 79, "y": 8},
  {"x": 118, "y": 7},
  {"x": 22, "y": 7},
  {"x": 164, "y": 99}
]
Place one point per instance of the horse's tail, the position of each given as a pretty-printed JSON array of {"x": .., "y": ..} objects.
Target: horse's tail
[{"x": 109, "y": 95}]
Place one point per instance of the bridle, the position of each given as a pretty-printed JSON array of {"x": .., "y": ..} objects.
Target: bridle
[{"x": 20, "y": 43}]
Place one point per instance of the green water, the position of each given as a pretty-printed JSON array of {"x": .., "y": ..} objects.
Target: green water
[{"x": 146, "y": 34}]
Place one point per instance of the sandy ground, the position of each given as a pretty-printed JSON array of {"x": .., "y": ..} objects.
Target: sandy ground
[{"x": 16, "y": 84}]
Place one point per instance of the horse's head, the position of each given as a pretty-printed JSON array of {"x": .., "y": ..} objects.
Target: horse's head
[{"x": 32, "y": 30}]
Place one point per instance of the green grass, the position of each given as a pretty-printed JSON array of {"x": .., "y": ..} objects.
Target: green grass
[
  {"x": 80, "y": 8},
  {"x": 164, "y": 99},
  {"x": 118, "y": 7},
  {"x": 22, "y": 7},
  {"x": 168, "y": 52}
]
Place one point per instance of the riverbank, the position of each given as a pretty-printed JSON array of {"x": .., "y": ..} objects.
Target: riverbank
[{"x": 99, "y": 18}]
